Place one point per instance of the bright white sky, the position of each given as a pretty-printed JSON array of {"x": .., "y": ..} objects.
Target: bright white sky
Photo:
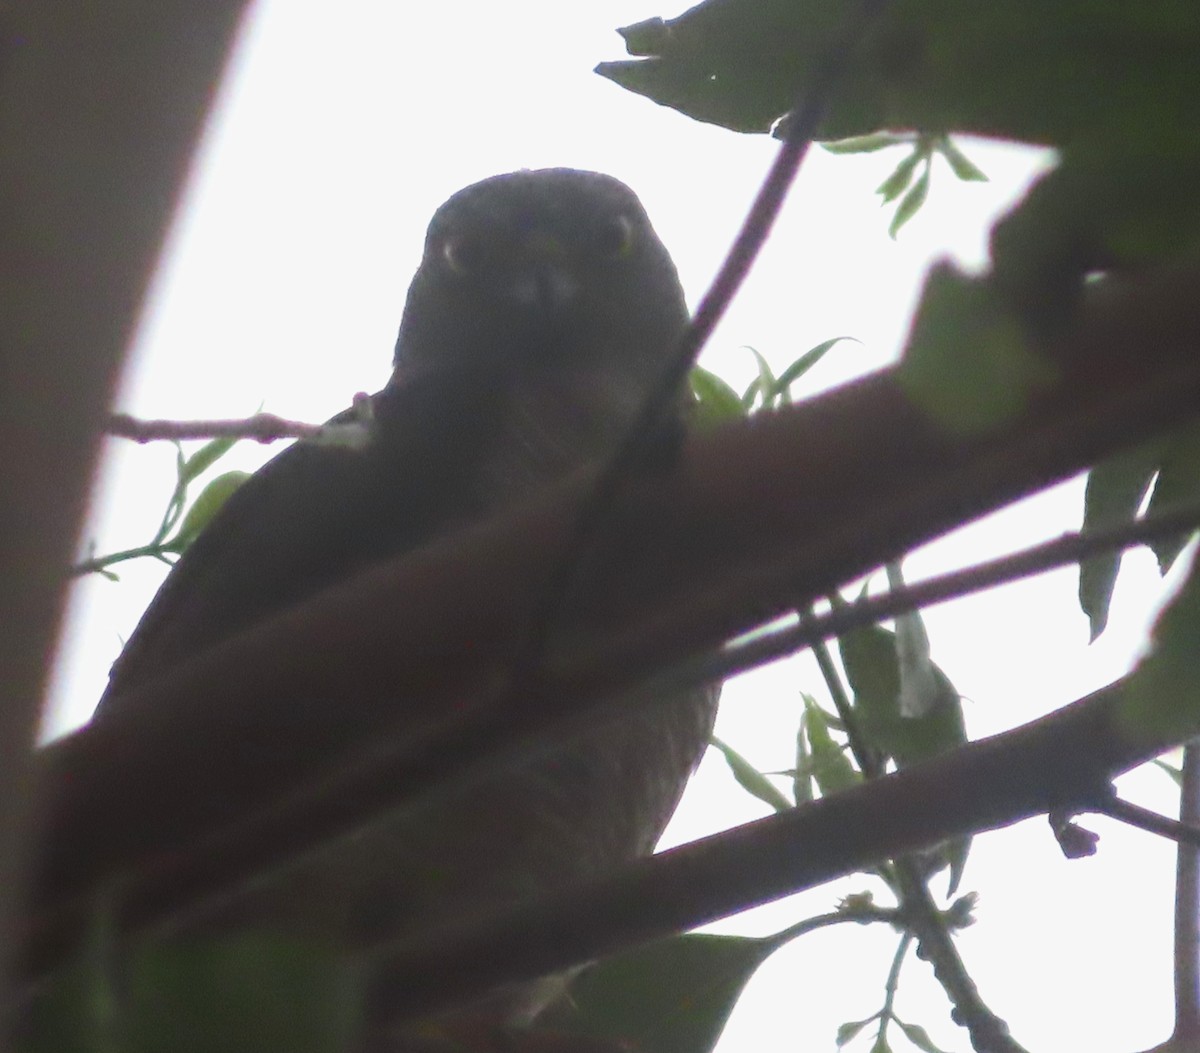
[{"x": 337, "y": 132}]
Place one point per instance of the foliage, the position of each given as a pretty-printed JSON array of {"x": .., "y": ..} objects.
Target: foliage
[
  {"x": 181, "y": 523},
  {"x": 1112, "y": 87}
]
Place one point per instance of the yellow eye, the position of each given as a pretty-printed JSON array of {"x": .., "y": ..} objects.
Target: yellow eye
[{"x": 617, "y": 238}]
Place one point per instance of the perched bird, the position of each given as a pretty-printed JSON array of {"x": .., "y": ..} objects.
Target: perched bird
[{"x": 543, "y": 312}]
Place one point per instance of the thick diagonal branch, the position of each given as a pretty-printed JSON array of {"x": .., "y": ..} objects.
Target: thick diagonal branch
[{"x": 753, "y": 519}]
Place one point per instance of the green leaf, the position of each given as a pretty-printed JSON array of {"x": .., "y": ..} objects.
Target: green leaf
[
  {"x": 716, "y": 401},
  {"x": 802, "y": 783},
  {"x": 966, "y": 363},
  {"x": 1115, "y": 491},
  {"x": 211, "y": 498},
  {"x": 919, "y": 1037},
  {"x": 848, "y": 1031},
  {"x": 895, "y": 184},
  {"x": 868, "y": 655},
  {"x": 866, "y": 144},
  {"x": 871, "y": 659},
  {"x": 919, "y": 688},
  {"x": 250, "y": 992},
  {"x": 205, "y": 457},
  {"x": 911, "y": 203},
  {"x": 961, "y": 165},
  {"x": 1178, "y": 483},
  {"x": 671, "y": 996},
  {"x": 750, "y": 779},
  {"x": 955, "y": 853},
  {"x": 763, "y": 386},
  {"x": 1169, "y": 770},
  {"x": 806, "y": 362},
  {"x": 1162, "y": 696},
  {"x": 831, "y": 770},
  {"x": 1019, "y": 70}
]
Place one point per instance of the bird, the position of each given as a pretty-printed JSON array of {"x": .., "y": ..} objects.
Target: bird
[{"x": 544, "y": 312}]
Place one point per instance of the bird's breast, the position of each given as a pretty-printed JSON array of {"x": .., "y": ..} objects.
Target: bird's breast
[{"x": 552, "y": 423}]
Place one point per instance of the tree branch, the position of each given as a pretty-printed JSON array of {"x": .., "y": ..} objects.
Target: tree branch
[
  {"x": 1060, "y": 761},
  {"x": 262, "y": 427},
  {"x": 98, "y": 114},
  {"x": 692, "y": 559},
  {"x": 1187, "y": 908}
]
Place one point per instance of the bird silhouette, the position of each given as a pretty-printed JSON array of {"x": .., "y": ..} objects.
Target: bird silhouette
[{"x": 543, "y": 313}]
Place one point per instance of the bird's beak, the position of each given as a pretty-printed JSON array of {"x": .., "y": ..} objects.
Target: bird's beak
[{"x": 546, "y": 283}]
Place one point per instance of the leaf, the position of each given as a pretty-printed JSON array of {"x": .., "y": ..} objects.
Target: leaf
[
  {"x": 896, "y": 183},
  {"x": 961, "y": 165},
  {"x": 205, "y": 457},
  {"x": 806, "y": 362},
  {"x": 848, "y": 1031},
  {"x": 868, "y": 655},
  {"x": 1162, "y": 693},
  {"x": 966, "y": 363},
  {"x": 1018, "y": 70},
  {"x": 761, "y": 387},
  {"x": 671, "y": 996},
  {"x": 249, "y": 992},
  {"x": 1169, "y": 770},
  {"x": 1115, "y": 491},
  {"x": 919, "y": 1037},
  {"x": 1178, "y": 483},
  {"x": 871, "y": 659},
  {"x": 716, "y": 401},
  {"x": 831, "y": 770},
  {"x": 911, "y": 203},
  {"x": 919, "y": 688},
  {"x": 866, "y": 144},
  {"x": 207, "y": 505},
  {"x": 802, "y": 783},
  {"x": 750, "y": 779}
]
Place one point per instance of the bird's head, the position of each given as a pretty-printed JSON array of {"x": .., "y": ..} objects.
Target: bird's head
[{"x": 541, "y": 270}]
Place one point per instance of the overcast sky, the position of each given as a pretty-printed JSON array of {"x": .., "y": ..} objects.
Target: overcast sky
[{"x": 336, "y": 134}]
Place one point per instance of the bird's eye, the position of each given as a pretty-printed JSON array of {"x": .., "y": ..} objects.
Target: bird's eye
[
  {"x": 616, "y": 238},
  {"x": 463, "y": 253}
]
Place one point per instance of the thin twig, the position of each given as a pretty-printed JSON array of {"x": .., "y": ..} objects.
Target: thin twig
[
  {"x": 989, "y": 1033},
  {"x": 857, "y": 915},
  {"x": 808, "y": 112},
  {"x": 262, "y": 427},
  {"x": 1147, "y": 819},
  {"x": 100, "y": 564},
  {"x": 1061, "y": 551},
  {"x": 891, "y": 986}
]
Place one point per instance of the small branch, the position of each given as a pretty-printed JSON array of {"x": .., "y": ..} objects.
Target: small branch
[
  {"x": 1187, "y": 908},
  {"x": 891, "y": 985},
  {"x": 993, "y": 782},
  {"x": 1146, "y": 819},
  {"x": 702, "y": 554},
  {"x": 857, "y": 915},
  {"x": 863, "y": 755},
  {"x": 806, "y": 117},
  {"x": 1062, "y": 551},
  {"x": 100, "y": 564},
  {"x": 262, "y": 427},
  {"x": 988, "y": 1032}
]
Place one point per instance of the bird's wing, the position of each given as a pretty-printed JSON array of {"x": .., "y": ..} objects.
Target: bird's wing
[{"x": 312, "y": 516}]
